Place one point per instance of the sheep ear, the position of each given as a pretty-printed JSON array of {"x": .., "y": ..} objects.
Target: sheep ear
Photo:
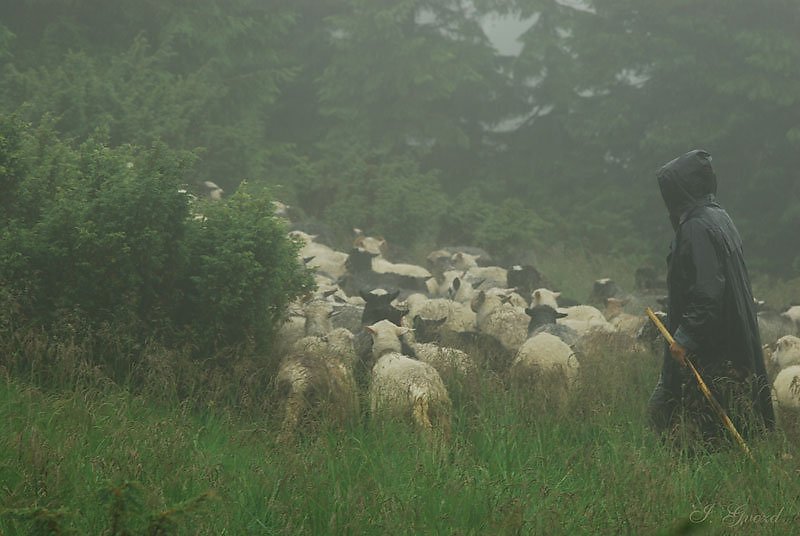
[
  {"x": 561, "y": 315},
  {"x": 556, "y": 294},
  {"x": 372, "y": 330},
  {"x": 393, "y": 295},
  {"x": 456, "y": 283},
  {"x": 329, "y": 293},
  {"x": 529, "y": 311},
  {"x": 334, "y": 313},
  {"x": 306, "y": 260},
  {"x": 402, "y": 330},
  {"x": 364, "y": 295}
]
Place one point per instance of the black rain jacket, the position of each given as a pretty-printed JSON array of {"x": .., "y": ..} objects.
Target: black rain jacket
[{"x": 711, "y": 310}]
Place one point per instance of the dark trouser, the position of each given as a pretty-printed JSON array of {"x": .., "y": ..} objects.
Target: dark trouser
[
  {"x": 686, "y": 403},
  {"x": 661, "y": 407}
]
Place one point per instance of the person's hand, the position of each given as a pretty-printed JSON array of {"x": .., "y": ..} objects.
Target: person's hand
[{"x": 678, "y": 353}]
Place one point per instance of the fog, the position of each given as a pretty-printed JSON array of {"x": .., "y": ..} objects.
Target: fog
[{"x": 556, "y": 112}]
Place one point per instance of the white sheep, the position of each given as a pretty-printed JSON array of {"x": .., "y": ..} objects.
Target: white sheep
[
  {"x": 621, "y": 321},
  {"x": 544, "y": 296},
  {"x": 405, "y": 387},
  {"x": 787, "y": 352},
  {"x": 786, "y": 395},
  {"x": 582, "y": 318},
  {"x": 458, "y": 317},
  {"x": 451, "y": 364},
  {"x": 325, "y": 259},
  {"x": 497, "y": 317},
  {"x": 463, "y": 261},
  {"x": 486, "y": 277},
  {"x": 547, "y": 365},
  {"x": 316, "y": 382},
  {"x": 452, "y": 285},
  {"x": 382, "y": 266},
  {"x": 373, "y": 244}
]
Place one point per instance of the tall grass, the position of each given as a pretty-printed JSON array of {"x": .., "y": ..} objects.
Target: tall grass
[{"x": 94, "y": 460}]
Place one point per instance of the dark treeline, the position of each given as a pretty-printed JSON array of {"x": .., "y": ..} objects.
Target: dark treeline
[{"x": 401, "y": 118}]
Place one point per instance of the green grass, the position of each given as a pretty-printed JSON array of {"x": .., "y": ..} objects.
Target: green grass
[{"x": 94, "y": 461}]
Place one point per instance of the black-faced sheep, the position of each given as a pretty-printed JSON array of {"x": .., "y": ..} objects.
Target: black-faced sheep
[{"x": 543, "y": 319}]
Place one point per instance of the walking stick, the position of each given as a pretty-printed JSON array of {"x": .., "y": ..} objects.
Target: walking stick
[{"x": 718, "y": 409}]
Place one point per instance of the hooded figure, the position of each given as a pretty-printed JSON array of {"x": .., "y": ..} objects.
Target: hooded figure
[{"x": 711, "y": 312}]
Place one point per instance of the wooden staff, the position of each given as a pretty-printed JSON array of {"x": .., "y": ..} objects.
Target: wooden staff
[{"x": 718, "y": 409}]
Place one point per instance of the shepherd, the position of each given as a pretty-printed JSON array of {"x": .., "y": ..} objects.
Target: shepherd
[{"x": 710, "y": 313}]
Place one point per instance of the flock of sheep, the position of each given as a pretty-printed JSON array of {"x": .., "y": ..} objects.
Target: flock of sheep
[{"x": 402, "y": 336}]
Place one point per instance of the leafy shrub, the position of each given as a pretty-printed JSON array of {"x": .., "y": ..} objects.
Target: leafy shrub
[{"x": 101, "y": 240}]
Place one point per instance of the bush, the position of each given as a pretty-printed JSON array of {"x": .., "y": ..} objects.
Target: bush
[{"x": 101, "y": 240}]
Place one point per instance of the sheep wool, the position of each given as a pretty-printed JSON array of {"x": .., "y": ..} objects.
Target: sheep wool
[
  {"x": 787, "y": 352},
  {"x": 403, "y": 387},
  {"x": 547, "y": 365},
  {"x": 786, "y": 395},
  {"x": 317, "y": 382}
]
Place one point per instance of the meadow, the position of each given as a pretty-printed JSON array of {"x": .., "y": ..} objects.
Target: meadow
[{"x": 96, "y": 459}]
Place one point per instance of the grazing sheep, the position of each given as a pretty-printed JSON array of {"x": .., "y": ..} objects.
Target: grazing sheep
[
  {"x": 377, "y": 306},
  {"x": 375, "y": 245},
  {"x": 786, "y": 396},
  {"x": 621, "y": 321},
  {"x": 452, "y": 364},
  {"x": 316, "y": 383},
  {"x": 481, "y": 256},
  {"x": 547, "y": 366},
  {"x": 543, "y": 320},
  {"x": 498, "y": 318},
  {"x": 324, "y": 259},
  {"x": 585, "y": 319},
  {"x": 545, "y": 296},
  {"x": 787, "y": 352},
  {"x": 458, "y": 317},
  {"x": 487, "y": 277},
  {"x": 485, "y": 350},
  {"x": 581, "y": 318},
  {"x": 452, "y": 285},
  {"x": 405, "y": 387}
]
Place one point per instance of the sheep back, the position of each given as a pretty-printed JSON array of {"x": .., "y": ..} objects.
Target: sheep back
[{"x": 411, "y": 390}]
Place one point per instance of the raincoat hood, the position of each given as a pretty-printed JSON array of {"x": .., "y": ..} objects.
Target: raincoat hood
[{"x": 687, "y": 182}]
